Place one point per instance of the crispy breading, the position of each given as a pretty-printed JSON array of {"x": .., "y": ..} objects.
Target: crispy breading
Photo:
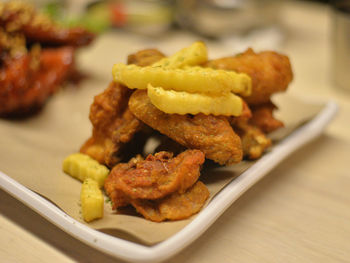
[
  {"x": 155, "y": 177},
  {"x": 252, "y": 127},
  {"x": 116, "y": 131},
  {"x": 211, "y": 134},
  {"x": 270, "y": 72},
  {"x": 113, "y": 125},
  {"x": 162, "y": 187},
  {"x": 264, "y": 119},
  {"x": 254, "y": 141},
  {"x": 117, "y": 197},
  {"x": 145, "y": 57},
  {"x": 245, "y": 115},
  {"x": 174, "y": 207}
]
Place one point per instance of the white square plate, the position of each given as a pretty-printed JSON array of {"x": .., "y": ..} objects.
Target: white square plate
[{"x": 139, "y": 253}]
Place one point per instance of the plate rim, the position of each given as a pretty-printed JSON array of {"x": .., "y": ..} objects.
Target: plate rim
[{"x": 134, "y": 252}]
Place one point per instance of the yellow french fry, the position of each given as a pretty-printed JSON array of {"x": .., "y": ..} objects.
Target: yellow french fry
[
  {"x": 92, "y": 200},
  {"x": 190, "y": 79},
  {"x": 82, "y": 166},
  {"x": 195, "y": 54},
  {"x": 170, "y": 101}
]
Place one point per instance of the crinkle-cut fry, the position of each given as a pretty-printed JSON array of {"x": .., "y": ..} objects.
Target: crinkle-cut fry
[
  {"x": 195, "y": 54},
  {"x": 191, "y": 79},
  {"x": 82, "y": 166},
  {"x": 181, "y": 102},
  {"x": 92, "y": 200}
]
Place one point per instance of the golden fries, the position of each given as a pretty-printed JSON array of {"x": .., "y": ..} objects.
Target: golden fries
[
  {"x": 191, "y": 79},
  {"x": 93, "y": 175},
  {"x": 170, "y": 101},
  {"x": 177, "y": 85},
  {"x": 195, "y": 54},
  {"x": 92, "y": 200},
  {"x": 82, "y": 166}
]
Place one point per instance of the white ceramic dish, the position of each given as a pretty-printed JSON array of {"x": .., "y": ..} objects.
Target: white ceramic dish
[{"x": 130, "y": 251}]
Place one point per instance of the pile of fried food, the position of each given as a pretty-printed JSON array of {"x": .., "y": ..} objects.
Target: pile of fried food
[
  {"x": 199, "y": 109},
  {"x": 36, "y": 57}
]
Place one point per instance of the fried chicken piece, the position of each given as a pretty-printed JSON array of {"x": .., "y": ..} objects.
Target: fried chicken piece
[
  {"x": 174, "y": 207},
  {"x": 254, "y": 141},
  {"x": 113, "y": 125},
  {"x": 115, "y": 129},
  {"x": 252, "y": 125},
  {"x": 118, "y": 198},
  {"x": 211, "y": 134},
  {"x": 270, "y": 72},
  {"x": 159, "y": 187},
  {"x": 145, "y": 57},
  {"x": 155, "y": 177},
  {"x": 17, "y": 16},
  {"x": 28, "y": 81},
  {"x": 263, "y": 117},
  {"x": 244, "y": 117}
]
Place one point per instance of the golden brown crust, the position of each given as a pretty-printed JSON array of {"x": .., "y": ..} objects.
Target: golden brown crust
[
  {"x": 159, "y": 187},
  {"x": 145, "y": 57},
  {"x": 156, "y": 176},
  {"x": 115, "y": 128},
  {"x": 270, "y": 72},
  {"x": 211, "y": 134},
  {"x": 254, "y": 141},
  {"x": 244, "y": 117},
  {"x": 113, "y": 125},
  {"x": 174, "y": 207},
  {"x": 264, "y": 119}
]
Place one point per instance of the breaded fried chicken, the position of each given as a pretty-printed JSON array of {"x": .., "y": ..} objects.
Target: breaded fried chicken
[
  {"x": 145, "y": 57},
  {"x": 263, "y": 117},
  {"x": 156, "y": 176},
  {"x": 113, "y": 125},
  {"x": 254, "y": 141},
  {"x": 159, "y": 187},
  {"x": 115, "y": 128},
  {"x": 175, "y": 206},
  {"x": 211, "y": 134},
  {"x": 270, "y": 72}
]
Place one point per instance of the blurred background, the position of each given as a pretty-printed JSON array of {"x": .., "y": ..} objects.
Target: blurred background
[
  {"x": 227, "y": 26},
  {"x": 212, "y": 19},
  {"x": 234, "y": 23}
]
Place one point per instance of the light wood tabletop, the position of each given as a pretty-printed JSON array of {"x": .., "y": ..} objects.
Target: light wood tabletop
[{"x": 299, "y": 212}]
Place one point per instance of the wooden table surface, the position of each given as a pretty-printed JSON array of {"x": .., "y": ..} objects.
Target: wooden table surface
[{"x": 300, "y": 212}]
